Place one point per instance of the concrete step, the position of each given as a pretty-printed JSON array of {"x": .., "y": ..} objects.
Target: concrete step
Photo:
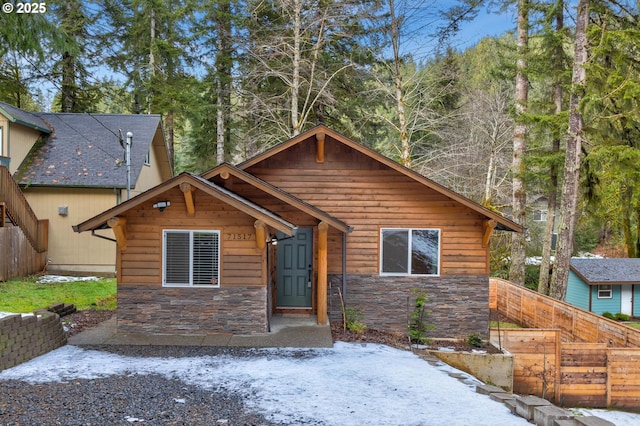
[
  {"x": 526, "y": 405},
  {"x": 547, "y": 415}
]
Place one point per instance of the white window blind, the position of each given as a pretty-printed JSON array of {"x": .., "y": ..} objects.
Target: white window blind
[{"x": 191, "y": 258}]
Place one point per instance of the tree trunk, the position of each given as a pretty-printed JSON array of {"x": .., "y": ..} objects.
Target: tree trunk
[
  {"x": 569, "y": 205},
  {"x": 223, "y": 77},
  {"x": 295, "y": 81},
  {"x": 545, "y": 263},
  {"x": 405, "y": 144},
  {"x": 68, "y": 82},
  {"x": 516, "y": 270}
]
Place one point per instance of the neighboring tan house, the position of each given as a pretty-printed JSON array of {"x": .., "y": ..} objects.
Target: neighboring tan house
[
  {"x": 73, "y": 165},
  {"x": 605, "y": 285},
  {"x": 292, "y": 229}
]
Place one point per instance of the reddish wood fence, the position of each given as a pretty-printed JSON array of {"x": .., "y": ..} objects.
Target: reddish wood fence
[{"x": 569, "y": 356}]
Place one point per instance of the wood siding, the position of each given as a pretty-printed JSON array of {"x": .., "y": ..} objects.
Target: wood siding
[
  {"x": 241, "y": 262},
  {"x": 68, "y": 250},
  {"x": 18, "y": 141},
  {"x": 369, "y": 196}
]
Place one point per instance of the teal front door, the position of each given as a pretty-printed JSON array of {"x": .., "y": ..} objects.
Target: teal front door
[{"x": 294, "y": 256}]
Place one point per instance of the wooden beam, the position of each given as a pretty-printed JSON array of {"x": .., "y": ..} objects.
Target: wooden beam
[
  {"x": 489, "y": 226},
  {"x": 187, "y": 191},
  {"x": 224, "y": 174},
  {"x": 320, "y": 147},
  {"x": 261, "y": 234},
  {"x": 118, "y": 224},
  {"x": 323, "y": 229}
]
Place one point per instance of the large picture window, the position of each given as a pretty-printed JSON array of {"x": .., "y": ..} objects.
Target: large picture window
[
  {"x": 191, "y": 258},
  {"x": 410, "y": 252}
]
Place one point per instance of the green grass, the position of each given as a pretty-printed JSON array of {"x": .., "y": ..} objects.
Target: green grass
[
  {"x": 27, "y": 295},
  {"x": 633, "y": 324}
]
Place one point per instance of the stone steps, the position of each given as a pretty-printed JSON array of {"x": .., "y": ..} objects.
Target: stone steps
[{"x": 539, "y": 411}]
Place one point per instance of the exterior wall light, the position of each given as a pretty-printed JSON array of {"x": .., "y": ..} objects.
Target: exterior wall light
[{"x": 161, "y": 205}]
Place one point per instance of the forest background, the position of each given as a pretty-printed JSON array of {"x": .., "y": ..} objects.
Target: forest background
[{"x": 496, "y": 121}]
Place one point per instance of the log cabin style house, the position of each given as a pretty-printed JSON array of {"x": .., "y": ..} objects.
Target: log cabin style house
[{"x": 293, "y": 230}]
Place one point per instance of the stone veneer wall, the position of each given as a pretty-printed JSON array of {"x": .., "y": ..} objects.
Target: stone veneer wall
[
  {"x": 458, "y": 305},
  {"x": 25, "y": 337},
  {"x": 237, "y": 310}
]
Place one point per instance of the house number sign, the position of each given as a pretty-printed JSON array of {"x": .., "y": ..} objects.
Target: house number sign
[{"x": 236, "y": 236}]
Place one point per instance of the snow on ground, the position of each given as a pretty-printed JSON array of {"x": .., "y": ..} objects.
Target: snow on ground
[
  {"x": 350, "y": 384},
  {"x": 52, "y": 279}
]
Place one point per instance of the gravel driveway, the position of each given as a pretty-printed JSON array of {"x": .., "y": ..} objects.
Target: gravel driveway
[{"x": 350, "y": 384}]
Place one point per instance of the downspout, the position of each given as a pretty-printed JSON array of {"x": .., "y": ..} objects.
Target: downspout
[
  {"x": 93, "y": 234},
  {"x": 344, "y": 265}
]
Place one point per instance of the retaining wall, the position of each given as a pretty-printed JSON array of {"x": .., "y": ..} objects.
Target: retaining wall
[{"x": 25, "y": 337}]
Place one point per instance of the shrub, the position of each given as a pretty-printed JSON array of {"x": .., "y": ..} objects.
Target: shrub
[
  {"x": 353, "y": 320},
  {"x": 608, "y": 315},
  {"x": 475, "y": 340},
  {"x": 622, "y": 317},
  {"x": 418, "y": 326}
]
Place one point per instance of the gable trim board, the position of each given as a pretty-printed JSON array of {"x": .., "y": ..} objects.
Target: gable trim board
[
  {"x": 101, "y": 221},
  {"x": 346, "y": 242}
]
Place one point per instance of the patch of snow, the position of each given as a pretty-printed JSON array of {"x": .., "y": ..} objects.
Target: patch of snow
[
  {"x": 54, "y": 279},
  {"x": 133, "y": 419},
  {"x": 180, "y": 400},
  {"x": 8, "y": 314}
]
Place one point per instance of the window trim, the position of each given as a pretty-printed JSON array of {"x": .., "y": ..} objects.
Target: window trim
[
  {"x": 147, "y": 158},
  {"x": 191, "y": 232},
  {"x": 542, "y": 215},
  {"x": 410, "y": 247},
  {"x": 604, "y": 291}
]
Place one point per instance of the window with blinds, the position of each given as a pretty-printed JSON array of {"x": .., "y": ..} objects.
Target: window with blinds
[{"x": 191, "y": 258}]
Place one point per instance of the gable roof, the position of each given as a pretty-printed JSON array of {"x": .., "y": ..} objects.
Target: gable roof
[
  {"x": 100, "y": 221},
  {"x": 84, "y": 150},
  {"x": 502, "y": 222},
  {"x": 607, "y": 271},
  {"x": 28, "y": 119},
  {"x": 278, "y": 193}
]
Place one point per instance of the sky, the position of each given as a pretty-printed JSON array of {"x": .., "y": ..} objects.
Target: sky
[{"x": 349, "y": 384}]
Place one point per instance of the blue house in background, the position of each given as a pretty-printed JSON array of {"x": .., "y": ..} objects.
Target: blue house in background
[{"x": 605, "y": 285}]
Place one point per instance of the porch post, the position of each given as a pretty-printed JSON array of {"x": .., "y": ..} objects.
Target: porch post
[{"x": 323, "y": 228}]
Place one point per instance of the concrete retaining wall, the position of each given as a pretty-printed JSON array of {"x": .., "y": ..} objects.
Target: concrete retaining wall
[
  {"x": 496, "y": 369},
  {"x": 25, "y": 337}
]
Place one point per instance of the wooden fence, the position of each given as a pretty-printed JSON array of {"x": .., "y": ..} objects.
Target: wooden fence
[
  {"x": 528, "y": 308},
  {"x": 568, "y": 356},
  {"x": 18, "y": 257}
]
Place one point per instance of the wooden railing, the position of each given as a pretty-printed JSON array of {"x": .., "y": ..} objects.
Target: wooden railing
[{"x": 15, "y": 205}]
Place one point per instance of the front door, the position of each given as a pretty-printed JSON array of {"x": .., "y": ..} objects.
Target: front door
[
  {"x": 294, "y": 256},
  {"x": 626, "y": 299}
]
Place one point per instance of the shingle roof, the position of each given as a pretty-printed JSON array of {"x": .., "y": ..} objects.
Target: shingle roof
[
  {"x": 84, "y": 150},
  {"x": 16, "y": 115},
  {"x": 607, "y": 271}
]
